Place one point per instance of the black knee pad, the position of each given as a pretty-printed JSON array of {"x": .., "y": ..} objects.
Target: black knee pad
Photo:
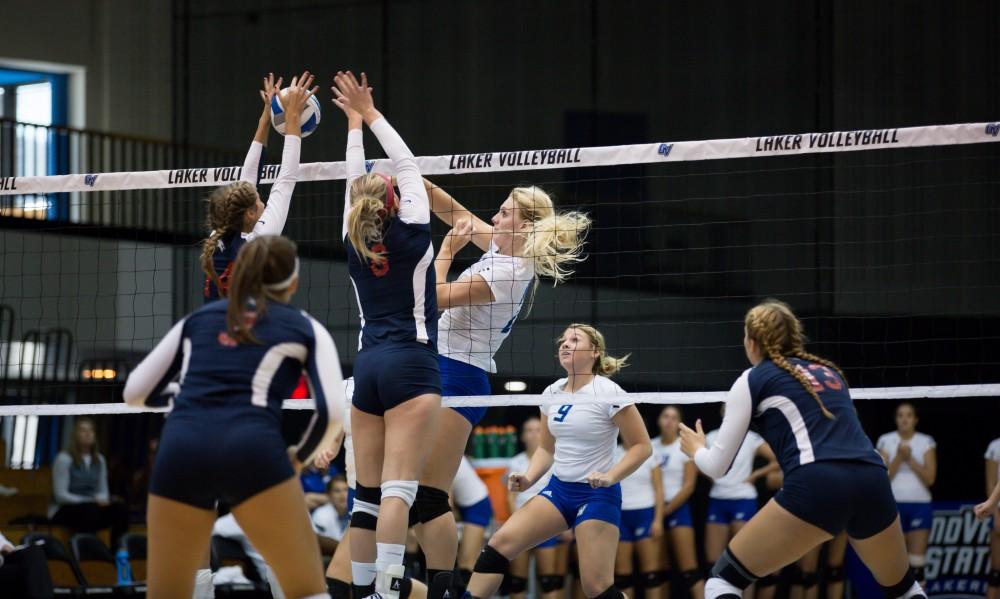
[
  {"x": 918, "y": 573},
  {"x": 462, "y": 578},
  {"x": 767, "y": 581},
  {"x": 366, "y": 501},
  {"x": 551, "y": 583},
  {"x": 730, "y": 569},
  {"x": 793, "y": 574},
  {"x": 993, "y": 578},
  {"x": 835, "y": 574},
  {"x": 338, "y": 589},
  {"x": 610, "y": 593},
  {"x": 439, "y": 583},
  {"x": 362, "y": 590},
  {"x": 625, "y": 581},
  {"x": 900, "y": 588},
  {"x": 431, "y": 503},
  {"x": 517, "y": 584},
  {"x": 491, "y": 562},
  {"x": 690, "y": 577},
  {"x": 808, "y": 579},
  {"x": 651, "y": 580}
]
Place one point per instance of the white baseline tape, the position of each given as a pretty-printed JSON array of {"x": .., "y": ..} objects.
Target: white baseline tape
[
  {"x": 676, "y": 398},
  {"x": 455, "y": 164}
]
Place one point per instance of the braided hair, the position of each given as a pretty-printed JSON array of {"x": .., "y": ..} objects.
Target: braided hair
[
  {"x": 226, "y": 208},
  {"x": 774, "y": 327}
]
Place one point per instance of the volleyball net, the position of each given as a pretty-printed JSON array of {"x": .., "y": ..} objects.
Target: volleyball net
[{"x": 884, "y": 241}]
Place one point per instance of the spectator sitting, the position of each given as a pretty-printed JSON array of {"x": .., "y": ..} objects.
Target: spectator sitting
[
  {"x": 330, "y": 521},
  {"x": 23, "y": 572},
  {"x": 81, "y": 500}
]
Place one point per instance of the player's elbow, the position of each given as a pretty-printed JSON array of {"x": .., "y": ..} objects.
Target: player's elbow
[{"x": 134, "y": 397}]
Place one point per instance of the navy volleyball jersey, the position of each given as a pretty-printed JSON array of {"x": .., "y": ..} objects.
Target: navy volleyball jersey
[
  {"x": 789, "y": 419},
  {"x": 249, "y": 380},
  {"x": 271, "y": 222},
  {"x": 397, "y": 299}
]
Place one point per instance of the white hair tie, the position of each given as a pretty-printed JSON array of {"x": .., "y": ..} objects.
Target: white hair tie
[{"x": 282, "y": 285}]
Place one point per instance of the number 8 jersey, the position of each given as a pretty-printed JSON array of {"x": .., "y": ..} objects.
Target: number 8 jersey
[
  {"x": 585, "y": 434},
  {"x": 791, "y": 421}
]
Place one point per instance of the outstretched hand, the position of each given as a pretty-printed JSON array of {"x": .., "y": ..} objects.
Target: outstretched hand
[
  {"x": 269, "y": 88},
  {"x": 352, "y": 95},
  {"x": 458, "y": 237},
  {"x": 692, "y": 440},
  {"x": 295, "y": 96}
]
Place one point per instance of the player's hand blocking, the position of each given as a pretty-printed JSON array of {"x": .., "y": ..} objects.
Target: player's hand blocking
[
  {"x": 355, "y": 96},
  {"x": 692, "y": 440},
  {"x": 458, "y": 237}
]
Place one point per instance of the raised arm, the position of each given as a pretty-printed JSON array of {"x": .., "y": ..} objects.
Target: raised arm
[
  {"x": 716, "y": 461},
  {"x": 414, "y": 205},
  {"x": 355, "y": 154},
  {"x": 153, "y": 374},
  {"x": 447, "y": 208},
  {"x": 294, "y": 99},
  {"x": 473, "y": 290},
  {"x": 255, "y": 156},
  {"x": 322, "y": 371}
]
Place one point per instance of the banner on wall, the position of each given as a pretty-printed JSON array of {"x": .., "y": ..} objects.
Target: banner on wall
[{"x": 958, "y": 556}]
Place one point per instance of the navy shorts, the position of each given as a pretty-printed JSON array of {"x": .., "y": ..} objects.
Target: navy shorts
[
  {"x": 915, "y": 516},
  {"x": 479, "y": 513},
  {"x": 840, "y": 495},
  {"x": 351, "y": 493},
  {"x": 391, "y": 373},
  {"x": 579, "y": 502},
  {"x": 679, "y": 517},
  {"x": 553, "y": 542},
  {"x": 459, "y": 378},
  {"x": 219, "y": 454},
  {"x": 727, "y": 511},
  {"x": 636, "y": 524}
]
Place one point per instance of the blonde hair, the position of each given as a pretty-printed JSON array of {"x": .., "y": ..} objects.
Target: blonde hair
[
  {"x": 604, "y": 364},
  {"x": 366, "y": 216},
  {"x": 267, "y": 260},
  {"x": 226, "y": 207},
  {"x": 555, "y": 239},
  {"x": 773, "y": 325}
]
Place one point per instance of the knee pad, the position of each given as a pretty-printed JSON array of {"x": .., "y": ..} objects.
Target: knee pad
[
  {"x": 431, "y": 503},
  {"x": 835, "y": 574},
  {"x": 918, "y": 574},
  {"x": 610, "y": 593},
  {"x": 464, "y": 576},
  {"x": 730, "y": 569},
  {"x": 400, "y": 489},
  {"x": 767, "y": 581},
  {"x": 808, "y": 579},
  {"x": 491, "y": 562},
  {"x": 366, "y": 506},
  {"x": 405, "y": 588},
  {"x": 901, "y": 588},
  {"x": 518, "y": 584},
  {"x": 625, "y": 581},
  {"x": 338, "y": 589},
  {"x": 993, "y": 578},
  {"x": 690, "y": 577},
  {"x": 551, "y": 583},
  {"x": 651, "y": 580}
]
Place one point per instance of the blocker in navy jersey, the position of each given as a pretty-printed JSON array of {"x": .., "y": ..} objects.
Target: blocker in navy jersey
[
  {"x": 397, "y": 299},
  {"x": 815, "y": 452},
  {"x": 223, "y": 438}
]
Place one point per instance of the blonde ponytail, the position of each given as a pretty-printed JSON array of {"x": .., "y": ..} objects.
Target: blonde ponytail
[
  {"x": 366, "y": 216},
  {"x": 267, "y": 260},
  {"x": 554, "y": 240}
]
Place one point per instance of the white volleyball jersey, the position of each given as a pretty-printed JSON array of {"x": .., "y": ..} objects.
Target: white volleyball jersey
[
  {"x": 519, "y": 463},
  {"x": 672, "y": 462},
  {"x": 906, "y": 485},
  {"x": 637, "y": 488},
  {"x": 733, "y": 485},
  {"x": 468, "y": 489},
  {"x": 473, "y": 334},
  {"x": 352, "y": 475},
  {"x": 993, "y": 453},
  {"x": 585, "y": 434}
]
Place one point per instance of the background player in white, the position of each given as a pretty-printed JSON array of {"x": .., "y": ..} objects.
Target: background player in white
[
  {"x": 679, "y": 478},
  {"x": 912, "y": 460},
  {"x": 552, "y": 555},
  {"x": 578, "y": 443},
  {"x": 641, "y": 528},
  {"x": 732, "y": 501},
  {"x": 990, "y": 508},
  {"x": 526, "y": 239}
]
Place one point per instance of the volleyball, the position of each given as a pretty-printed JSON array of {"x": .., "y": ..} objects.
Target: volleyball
[{"x": 309, "y": 119}]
